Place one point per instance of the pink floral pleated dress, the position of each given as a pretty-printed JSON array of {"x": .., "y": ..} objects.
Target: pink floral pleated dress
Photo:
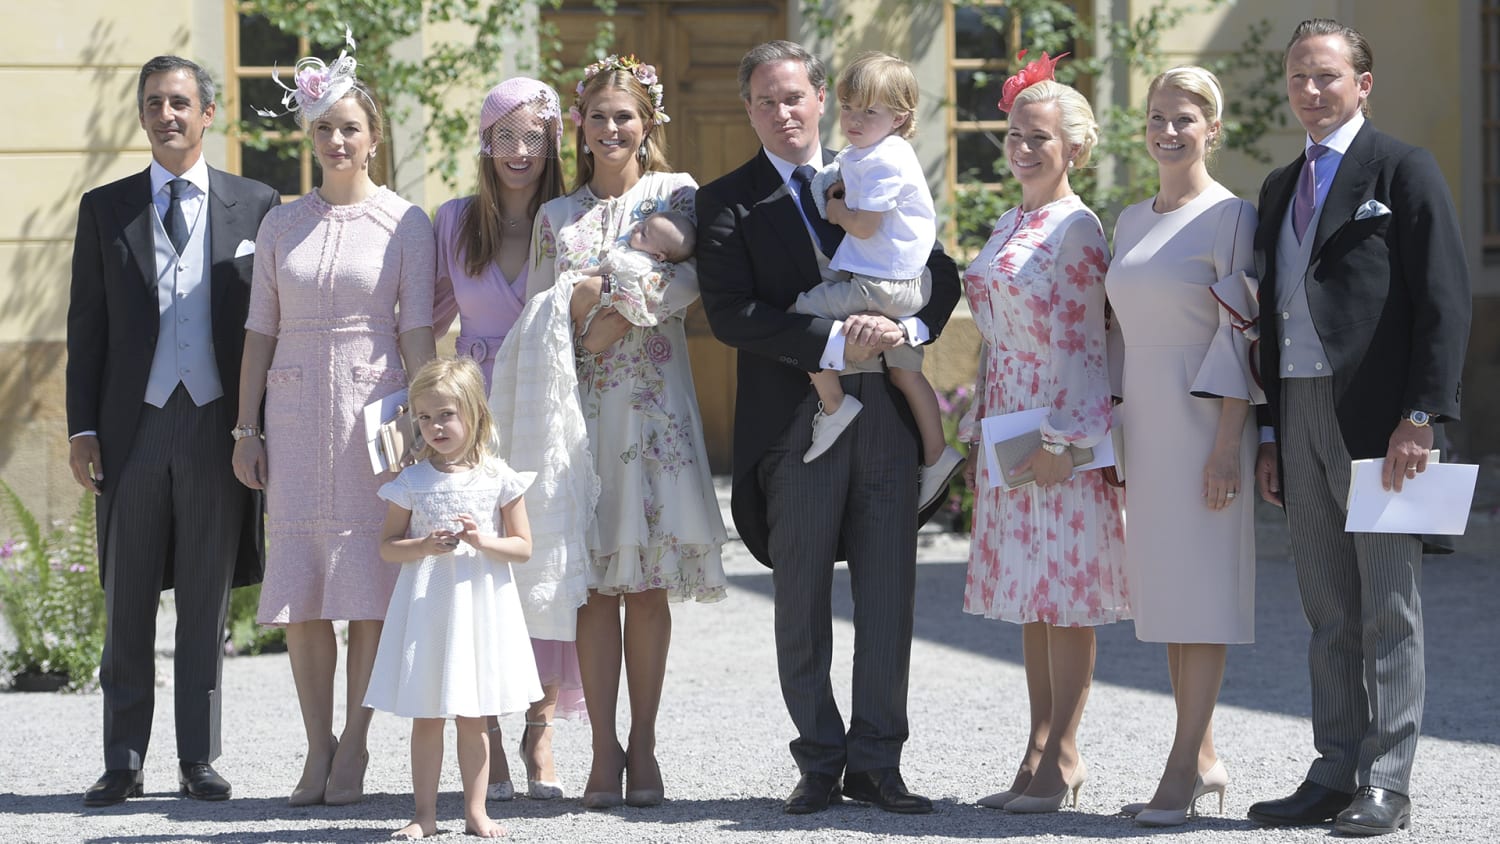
[{"x": 1036, "y": 292}]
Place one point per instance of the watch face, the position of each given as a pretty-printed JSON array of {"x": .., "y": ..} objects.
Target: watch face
[{"x": 1418, "y": 417}]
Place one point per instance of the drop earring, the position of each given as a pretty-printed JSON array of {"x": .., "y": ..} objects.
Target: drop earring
[
  {"x": 641, "y": 152},
  {"x": 586, "y": 150}
]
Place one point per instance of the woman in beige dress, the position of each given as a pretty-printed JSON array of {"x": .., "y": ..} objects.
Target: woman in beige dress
[{"x": 1180, "y": 289}]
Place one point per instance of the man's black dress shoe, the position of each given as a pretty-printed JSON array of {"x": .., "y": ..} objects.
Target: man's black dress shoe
[
  {"x": 813, "y": 793},
  {"x": 884, "y": 788},
  {"x": 114, "y": 787},
  {"x": 1375, "y": 811},
  {"x": 200, "y": 781},
  {"x": 1309, "y": 804}
]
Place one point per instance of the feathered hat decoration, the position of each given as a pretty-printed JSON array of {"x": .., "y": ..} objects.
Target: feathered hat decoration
[
  {"x": 1037, "y": 70},
  {"x": 317, "y": 86}
]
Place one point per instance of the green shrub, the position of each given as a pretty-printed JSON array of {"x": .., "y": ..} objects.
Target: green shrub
[{"x": 50, "y": 595}]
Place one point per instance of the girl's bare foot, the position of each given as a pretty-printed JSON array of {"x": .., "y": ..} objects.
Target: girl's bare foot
[
  {"x": 484, "y": 827},
  {"x": 416, "y": 829}
]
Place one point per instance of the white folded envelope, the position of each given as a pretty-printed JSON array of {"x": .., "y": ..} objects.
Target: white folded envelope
[
  {"x": 375, "y": 415},
  {"x": 1436, "y": 502}
]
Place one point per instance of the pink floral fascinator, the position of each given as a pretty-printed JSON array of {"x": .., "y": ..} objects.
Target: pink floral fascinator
[
  {"x": 1036, "y": 70},
  {"x": 317, "y": 85},
  {"x": 643, "y": 73}
]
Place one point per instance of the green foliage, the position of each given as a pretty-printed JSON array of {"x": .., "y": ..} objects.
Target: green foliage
[
  {"x": 1122, "y": 171},
  {"x": 825, "y": 19},
  {"x": 50, "y": 595},
  {"x": 246, "y": 638}
]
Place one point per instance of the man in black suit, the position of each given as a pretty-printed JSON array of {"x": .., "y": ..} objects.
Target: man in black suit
[
  {"x": 161, "y": 284},
  {"x": 756, "y": 252},
  {"x": 1365, "y": 318}
]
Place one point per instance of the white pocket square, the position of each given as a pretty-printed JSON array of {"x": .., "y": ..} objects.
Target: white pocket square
[
  {"x": 1373, "y": 208},
  {"x": 247, "y": 247}
]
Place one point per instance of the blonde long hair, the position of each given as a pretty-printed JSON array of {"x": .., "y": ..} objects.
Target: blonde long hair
[
  {"x": 655, "y": 141},
  {"x": 460, "y": 380}
]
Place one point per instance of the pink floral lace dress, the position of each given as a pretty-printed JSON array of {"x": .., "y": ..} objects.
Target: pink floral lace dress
[
  {"x": 657, "y": 524},
  {"x": 1036, "y": 292}
]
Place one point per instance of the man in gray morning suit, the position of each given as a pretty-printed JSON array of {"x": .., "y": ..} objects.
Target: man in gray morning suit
[
  {"x": 1365, "y": 308},
  {"x": 756, "y": 251},
  {"x": 161, "y": 285}
]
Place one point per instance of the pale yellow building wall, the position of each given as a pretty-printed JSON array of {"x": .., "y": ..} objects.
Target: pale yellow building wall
[{"x": 1412, "y": 51}]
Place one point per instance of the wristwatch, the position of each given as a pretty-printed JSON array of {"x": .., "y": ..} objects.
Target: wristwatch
[
  {"x": 1419, "y": 418},
  {"x": 1054, "y": 448},
  {"x": 244, "y": 431}
]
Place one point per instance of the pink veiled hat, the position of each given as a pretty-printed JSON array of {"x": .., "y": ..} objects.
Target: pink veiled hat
[{"x": 503, "y": 102}]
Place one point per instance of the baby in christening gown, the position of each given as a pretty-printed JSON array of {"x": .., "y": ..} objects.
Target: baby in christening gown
[{"x": 633, "y": 275}]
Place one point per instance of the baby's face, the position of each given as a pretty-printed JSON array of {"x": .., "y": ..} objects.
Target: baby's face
[{"x": 655, "y": 237}]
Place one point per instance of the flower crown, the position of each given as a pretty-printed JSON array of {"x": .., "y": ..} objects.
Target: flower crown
[
  {"x": 643, "y": 73},
  {"x": 317, "y": 86},
  {"x": 1037, "y": 70}
]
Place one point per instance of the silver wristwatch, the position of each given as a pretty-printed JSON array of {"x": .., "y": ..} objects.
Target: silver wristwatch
[
  {"x": 1054, "y": 448},
  {"x": 243, "y": 431}
]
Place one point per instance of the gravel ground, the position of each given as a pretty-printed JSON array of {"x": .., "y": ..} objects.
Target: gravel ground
[{"x": 723, "y": 732}]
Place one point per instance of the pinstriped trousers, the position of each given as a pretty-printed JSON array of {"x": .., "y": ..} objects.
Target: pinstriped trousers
[
  {"x": 1360, "y": 594},
  {"x": 176, "y": 495},
  {"x": 860, "y": 496}
]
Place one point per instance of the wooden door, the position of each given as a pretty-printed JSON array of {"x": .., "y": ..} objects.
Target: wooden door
[{"x": 696, "y": 47}]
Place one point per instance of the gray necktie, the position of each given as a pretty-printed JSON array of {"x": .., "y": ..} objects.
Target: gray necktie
[{"x": 176, "y": 221}]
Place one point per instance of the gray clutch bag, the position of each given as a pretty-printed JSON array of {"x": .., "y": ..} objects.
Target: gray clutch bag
[{"x": 1012, "y": 451}]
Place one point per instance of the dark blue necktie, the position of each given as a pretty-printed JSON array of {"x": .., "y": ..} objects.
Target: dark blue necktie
[
  {"x": 176, "y": 221},
  {"x": 829, "y": 235}
]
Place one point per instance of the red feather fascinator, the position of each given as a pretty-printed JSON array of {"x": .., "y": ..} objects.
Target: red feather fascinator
[{"x": 1037, "y": 70}]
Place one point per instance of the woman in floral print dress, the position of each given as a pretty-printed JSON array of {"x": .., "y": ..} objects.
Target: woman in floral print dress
[
  {"x": 1047, "y": 555},
  {"x": 657, "y": 531}
]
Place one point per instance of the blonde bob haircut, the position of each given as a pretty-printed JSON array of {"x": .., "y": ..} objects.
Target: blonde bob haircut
[
  {"x": 458, "y": 379},
  {"x": 654, "y": 157},
  {"x": 1203, "y": 86},
  {"x": 1078, "y": 126},
  {"x": 876, "y": 77}
]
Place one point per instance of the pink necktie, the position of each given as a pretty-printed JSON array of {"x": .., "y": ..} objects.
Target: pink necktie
[{"x": 1307, "y": 191}]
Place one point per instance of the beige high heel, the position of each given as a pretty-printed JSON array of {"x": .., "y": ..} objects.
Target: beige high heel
[
  {"x": 1028, "y": 805},
  {"x": 997, "y": 801},
  {"x": 312, "y": 795},
  {"x": 348, "y": 796},
  {"x": 1215, "y": 779}
]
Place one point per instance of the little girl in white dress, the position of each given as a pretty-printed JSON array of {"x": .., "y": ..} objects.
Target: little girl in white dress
[{"x": 454, "y": 643}]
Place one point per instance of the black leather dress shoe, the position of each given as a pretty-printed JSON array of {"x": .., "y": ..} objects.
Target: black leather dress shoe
[
  {"x": 200, "y": 781},
  {"x": 884, "y": 788},
  {"x": 813, "y": 793},
  {"x": 1309, "y": 804},
  {"x": 114, "y": 787},
  {"x": 1375, "y": 811}
]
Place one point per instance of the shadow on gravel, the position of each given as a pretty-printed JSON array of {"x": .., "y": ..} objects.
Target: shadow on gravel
[
  {"x": 949, "y": 820},
  {"x": 1458, "y": 598}
]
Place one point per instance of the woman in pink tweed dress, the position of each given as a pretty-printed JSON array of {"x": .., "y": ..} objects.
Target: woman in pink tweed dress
[{"x": 342, "y": 296}]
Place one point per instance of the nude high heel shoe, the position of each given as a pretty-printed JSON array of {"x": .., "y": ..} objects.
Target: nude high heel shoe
[
  {"x": 311, "y": 794},
  {"x": 998, "y": 801},
  {"x": 1215, "y": 779},
  {"x": 1211, "y": 780},
  {"x": 352, "y": 794},
  {"x": 1027, "y": 805}
]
